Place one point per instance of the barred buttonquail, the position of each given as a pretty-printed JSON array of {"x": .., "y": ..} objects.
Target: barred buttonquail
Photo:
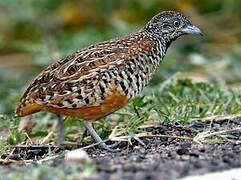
[{"x": 95, "y": 81}]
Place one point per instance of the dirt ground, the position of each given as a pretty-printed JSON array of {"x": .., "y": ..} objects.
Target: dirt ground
[
  {"x": 170, "y": 158},
  {"x": 167, "y": 158}
]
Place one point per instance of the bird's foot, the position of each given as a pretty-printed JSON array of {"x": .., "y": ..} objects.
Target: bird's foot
[
  {"x": 60, "y": 147},
  {"x": 93, "y": 133},
  {"x": 110, "y": 147},
  {"x": 114, "y": 145}
]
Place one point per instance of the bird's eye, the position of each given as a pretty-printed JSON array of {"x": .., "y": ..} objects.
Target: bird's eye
[{"x": 176, "y": 23}]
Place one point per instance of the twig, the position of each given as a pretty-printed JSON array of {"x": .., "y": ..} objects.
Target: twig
[
  {"x": 30, "y": 140},
  {"x": 7, "y": 161},
  {"x": 168, "y": 136},
  {"x": 46, "y": 137},
  {"x": 48, "y": 158},
  {"x": 93, "y": 145},
  {"x": 199, "y": 137},
  {"x": 10, "y": 154},
  {"x": 34, "y": 146},
  {"x": 113, "y": 132},
  {"x": 125, "y": 138},
  {"x": 218, "y": 117}
]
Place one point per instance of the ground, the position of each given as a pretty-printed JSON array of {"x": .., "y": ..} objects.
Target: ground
[
  {"x": 171, "y": 151},
  {"x": 186, "y": 122}
]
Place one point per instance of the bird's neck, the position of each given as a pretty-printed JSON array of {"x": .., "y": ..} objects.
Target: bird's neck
[
  {"x": 149, "y": 61},
  {"x": 159, "y": 50},
  {"x": 141, "y": 68}
]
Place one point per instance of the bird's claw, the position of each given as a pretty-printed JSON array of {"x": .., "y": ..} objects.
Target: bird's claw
[{"x": 110, "y": 148}]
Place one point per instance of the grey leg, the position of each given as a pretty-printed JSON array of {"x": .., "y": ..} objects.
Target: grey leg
[
  {"x": 60, "y": 131},
  {"x": 96, "y": 137}
]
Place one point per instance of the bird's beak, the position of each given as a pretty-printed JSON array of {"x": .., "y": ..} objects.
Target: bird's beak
[{"x": 192, "y": 30}]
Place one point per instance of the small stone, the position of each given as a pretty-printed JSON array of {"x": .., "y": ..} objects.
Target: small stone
[{"x": 77, "y": 156}]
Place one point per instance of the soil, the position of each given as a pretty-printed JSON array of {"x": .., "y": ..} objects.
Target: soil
[{"x": 167, "y": 158}]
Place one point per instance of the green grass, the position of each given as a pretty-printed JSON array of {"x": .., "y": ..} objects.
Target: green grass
[
  {"x": 171, "y": 102},
  {"x": 166, "y": 100},
  {"x": 44, "y": 171}
]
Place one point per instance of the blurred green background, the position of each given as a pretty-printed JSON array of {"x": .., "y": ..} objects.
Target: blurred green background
[{"x": 35, "y": 33}]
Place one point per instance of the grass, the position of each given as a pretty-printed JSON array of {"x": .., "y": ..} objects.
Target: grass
[
  {"x": 175, "y": 101},
  {"x": 55, "y": 173},
  {"x": 169, "y": 99}
]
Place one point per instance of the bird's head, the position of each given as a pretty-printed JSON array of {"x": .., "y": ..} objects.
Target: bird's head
[{"x": 170, "y": 25}]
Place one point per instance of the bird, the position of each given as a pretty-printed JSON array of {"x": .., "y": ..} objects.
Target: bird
[{"x": 98, "y": 80}]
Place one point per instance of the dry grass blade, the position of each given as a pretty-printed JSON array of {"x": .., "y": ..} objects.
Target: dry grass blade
[
  {"x": 8, "y": 161},
  {"x": 47, "y": 137},
  {"x": 94, "y": 144},
  {"x": 199, "y": 138},
  {"x": 146, "y": 134},
  {"x": 48, "y": 158},
  {"x": 30, "y": 140},
  {"x": 219, "y": 118}
]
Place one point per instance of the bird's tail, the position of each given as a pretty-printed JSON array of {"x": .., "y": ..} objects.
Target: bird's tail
[{"x": 24, "y": 109}]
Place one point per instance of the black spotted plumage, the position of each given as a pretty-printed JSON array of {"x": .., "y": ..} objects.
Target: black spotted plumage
[{"x": 100, "y": 79}]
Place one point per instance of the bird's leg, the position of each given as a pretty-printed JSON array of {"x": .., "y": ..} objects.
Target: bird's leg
[
  {"x": 60, "y": 131},
  {"x": 93, "y": 133}
]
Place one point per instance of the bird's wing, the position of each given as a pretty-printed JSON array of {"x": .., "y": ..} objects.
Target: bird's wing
[
  {"x": 71, "y": 82},
  {"x": 63, "y": 80}
]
